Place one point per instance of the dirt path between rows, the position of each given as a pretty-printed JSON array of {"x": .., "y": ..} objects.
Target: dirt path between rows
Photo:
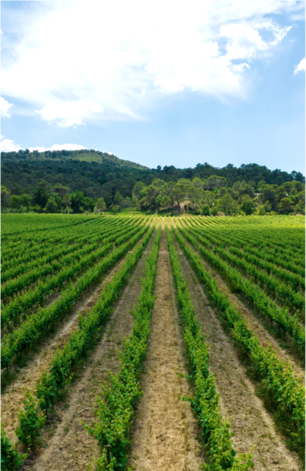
[
  {"x": 165, "y": 432},
  {"x": 257, "y": 325},
  {"x": 71, "y": 446},
  {"x": 13, "y": 396},
  {"x": 251, "y": 424}
]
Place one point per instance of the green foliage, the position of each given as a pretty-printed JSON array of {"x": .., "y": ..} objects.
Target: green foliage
[
  {"x": 115, "y": 412},
  {"x": 215, "y": 431},
  {"x": 30, "y": 422},
  {"x": 98, "y": 175},
  {"x": 40, "y": 323},
  {"x": 11, "y": 460},
  {"x": 285, "y": 393},
  {"x": 50, "y": 385}
]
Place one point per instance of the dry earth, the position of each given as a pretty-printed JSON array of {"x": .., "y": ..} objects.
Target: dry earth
[
  {"x": 12, "y": 398},
  {"x": 252, "y": 425},
  {"x": 70, "y": 446},
  {"x": 165, "y": 432}
]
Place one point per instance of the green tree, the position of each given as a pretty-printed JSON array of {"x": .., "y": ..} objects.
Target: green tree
[
  {"x": 5, "y": 197},
  {"x": 101, "y": 206},
  {"x": 247, "y": 204},
  {"x": 261, "y": 210},
  {"x": 214, "y": 182},
  {"x": 52, "y": 206},
  {"x": 139, "y": 186},
  {"x": 60, "y": 189},
  {"x": 118, "y": 198},
  {"x": 268, "y": 206},
  {"x": 205, "y": 210},
  {"x": 20, "y": 200},
  {"x": 285, "y": 205},
  {"x": 41, "y": 194},
  {"x": 77, "y": 201},
  {"x": 299, "y": 208},
  {"x": 268, "y": 194},
  {"x": 227, "y": 204},
  {"x": 67, "y": 201}
]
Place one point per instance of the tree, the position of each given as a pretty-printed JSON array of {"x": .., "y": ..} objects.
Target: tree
[
  {"x": 138, "y": 188},
  {"x": 67, "y": 201},
  {"x": 21, "y": 200},
  {"x": 5, "y": 197},
  {"x": 197, "y": 182},
  {"x": 285, "y": 205},
  {"x": 149, "y": 200},
  {"x": 101, "y": 206},
  {"x": 115, "y": 208},
  {"x": 214, "y": 182},
  {"x": 247, "y": 204},
  {"x": 77, "y": 201},
  {"x": 60, "y": 189},
  {"x": 227, "y": 204},
  {"x": 41, "y": 194},
  {"x": 181, "y": 190},
  {"x": 51, "y": 206},
  {"x": 268, "y": 206},
  {"x": 299, "y": 208},
  {"x": 118, "y": 198},
  {"x": 205, "y": 210},
  {"x": 268, "y": 194},
  {"x": 261, "y": 210}
]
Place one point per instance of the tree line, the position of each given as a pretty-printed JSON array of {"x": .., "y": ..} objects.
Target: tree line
[
  {"x": 211, "y": 196},
  {"x": 78, "y": 181}
]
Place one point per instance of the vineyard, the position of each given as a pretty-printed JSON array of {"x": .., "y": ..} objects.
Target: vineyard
[{"x": 152, "y": 343}]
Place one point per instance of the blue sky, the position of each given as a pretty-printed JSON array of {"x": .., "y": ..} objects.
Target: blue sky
[{"x": 158, "y": 83}]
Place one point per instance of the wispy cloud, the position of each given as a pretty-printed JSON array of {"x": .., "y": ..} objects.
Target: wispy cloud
[
  {"x": 301, "y": 66},
  {"x": 7, "y": 145},
  {"x": 58, "y": 147},
  {"x": 81, "y": 61},
  {"x": 4, "y": 108}
]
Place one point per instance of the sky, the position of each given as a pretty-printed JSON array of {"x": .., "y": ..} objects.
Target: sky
[{"x": 158, "y": 82}]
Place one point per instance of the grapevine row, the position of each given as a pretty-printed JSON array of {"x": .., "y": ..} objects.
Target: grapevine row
[
  {"x": 36, "y": 326},
  {"x": 259, "y": 299},
  {"x": 214, "y": 430},
  {"x": 285, "y": 393},
  {"x": 25, "y": 301},
  {"x": 115, "y": 413}
]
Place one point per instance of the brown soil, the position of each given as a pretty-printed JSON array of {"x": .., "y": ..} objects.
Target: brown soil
[
  {"x": 69, "y": 445},
  {"x": 253, "y": 427},
  {"x": 257, "y": 325},
  {"x": 12, "y": 398},
  {"x": 164, "y": 434}
]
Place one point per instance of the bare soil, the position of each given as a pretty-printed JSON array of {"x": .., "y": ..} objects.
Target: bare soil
[
  {"x": 258, "y": 326},
  {"x": 254, "y": 429},
  {"x": 69, "y": 445},
  {"x": 165, "y": 431},
  {"x": 13, "y": 396}
]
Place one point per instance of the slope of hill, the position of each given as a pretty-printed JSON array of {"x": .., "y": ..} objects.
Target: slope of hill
[{"x": 99, "y": 174}]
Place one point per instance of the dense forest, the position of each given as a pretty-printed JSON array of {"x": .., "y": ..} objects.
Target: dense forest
[{"x": 88, "y": 180}]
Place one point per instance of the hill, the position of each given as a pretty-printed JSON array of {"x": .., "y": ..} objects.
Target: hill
[{"x": 99, "y": 174}]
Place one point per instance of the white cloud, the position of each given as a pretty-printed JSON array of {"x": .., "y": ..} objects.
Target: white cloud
[
  {"x": 301, "y": 66},
  {"x": 8, "y": 146},
  {"x": 98, "y": 65},
  {"x": 4, "y": 108},
  {"x": 58, "y": 147},
  {"x": 69, "y": 113}
]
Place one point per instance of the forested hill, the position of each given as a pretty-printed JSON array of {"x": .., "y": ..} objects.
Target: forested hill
[{"x": 99, "y": 174}]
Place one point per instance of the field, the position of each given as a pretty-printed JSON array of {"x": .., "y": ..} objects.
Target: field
[{"x": 153, "y": 343}]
